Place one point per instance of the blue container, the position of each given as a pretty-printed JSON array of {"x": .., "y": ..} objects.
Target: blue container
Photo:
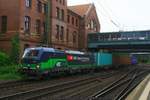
[
  {"x": 103, "y": 59},
  {"x": 133, "y": 60}
]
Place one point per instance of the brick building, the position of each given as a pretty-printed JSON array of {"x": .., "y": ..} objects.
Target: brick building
[
  {"x": 24, "y": 17},
  {"x": 73, "y": 26},
  {"x": 88, "y": 22},
  {"x": 58, "y": 23},
  {"x": 46, "y": 22}
]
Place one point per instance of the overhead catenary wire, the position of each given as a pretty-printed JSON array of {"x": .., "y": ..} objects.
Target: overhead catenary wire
[
  {"x": 106, "y": 14},
  {"x": 110, "y": 11},
  {"x": 102, "y": 13},
  {"x": 118, "y": 24},
  {"x": 115, "y": 22}
]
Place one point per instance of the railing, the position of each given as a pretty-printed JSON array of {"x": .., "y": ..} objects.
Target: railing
[{"x": 119, "y": 36}]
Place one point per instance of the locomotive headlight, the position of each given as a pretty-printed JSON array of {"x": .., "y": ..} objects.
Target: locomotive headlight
[{"x": 38, "y": 66}]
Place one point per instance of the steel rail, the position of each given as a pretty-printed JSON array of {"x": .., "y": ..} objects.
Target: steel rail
[
  {"x": 112, "y": 86},
  {"x": 128, "y": 89},
  {"x": 47, "y": 88}
]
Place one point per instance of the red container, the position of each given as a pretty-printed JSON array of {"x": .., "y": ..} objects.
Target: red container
[{"x": 122, "y": 59}]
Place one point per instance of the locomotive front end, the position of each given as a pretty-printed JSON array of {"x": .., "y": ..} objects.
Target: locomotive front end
[{"x": 30, "y": 64}]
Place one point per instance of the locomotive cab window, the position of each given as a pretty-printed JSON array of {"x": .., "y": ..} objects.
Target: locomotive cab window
[
  {"x": 32, "y": 53},
  {"x": 46, "y": 55}
]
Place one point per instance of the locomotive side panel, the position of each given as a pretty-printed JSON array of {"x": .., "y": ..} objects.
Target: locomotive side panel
[{"x": 77, "y": 60}]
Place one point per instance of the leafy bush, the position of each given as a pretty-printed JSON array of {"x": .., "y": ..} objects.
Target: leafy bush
[
  {"x": 10, "y": 72},
  {"x": 4, "y": 59},
  {"x": 15, "y": 50}
]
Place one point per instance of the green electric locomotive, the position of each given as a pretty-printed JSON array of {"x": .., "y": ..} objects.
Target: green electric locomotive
[{"x": 40, "y": 61}]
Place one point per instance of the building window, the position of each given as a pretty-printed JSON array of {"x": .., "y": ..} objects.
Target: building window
[
  {"x": 63, "y": 2},
  {"x": 62, "y": 33},
  {"x": 57, "y": 31},
  {"x": 57, "y": 12},
  {"x": 76, "y": 22},
  {"x": 73, "y": 20},
  {"x": 92, "y": 24},
  {"x": 28, "y": 3},
  {"x": 37, "y": 26},
  {"x": 59, "y": 1},
  {"x": 67, "y": 35},
  {"x": 44, "y": 33},
  {"x": 62, "y": 14},
  {"x": 27, "y": 22},
  {"x": 44, "y": 27},
  {"x": 68, "y": 18},
  {"x": 44, "y": 8},
  {"x": 4, "y": 24},
  {"x": 74, "y": 37},
  {"x": 39, "y": 6}
]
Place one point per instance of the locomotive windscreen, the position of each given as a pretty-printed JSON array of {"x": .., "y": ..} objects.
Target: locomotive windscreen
[{"x": 31, "y": 54}]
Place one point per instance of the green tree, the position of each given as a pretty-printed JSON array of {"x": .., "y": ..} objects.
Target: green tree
[
  {"x": 4, "y": 59},
  {"x": 15, "y": 50}
]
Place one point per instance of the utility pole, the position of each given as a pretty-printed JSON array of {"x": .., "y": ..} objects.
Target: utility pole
[{"x": 48, "y": 24}]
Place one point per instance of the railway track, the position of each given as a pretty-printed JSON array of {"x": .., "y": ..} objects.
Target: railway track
[
  {"x": 83, "y": 92},
  {"x": 72, "y": 87},
  {"x": 69, "y": 91},
  {"x": 11, "y": 84},
  {"x": 46, "y": 89},
  {"x": 123, "y": 86}
]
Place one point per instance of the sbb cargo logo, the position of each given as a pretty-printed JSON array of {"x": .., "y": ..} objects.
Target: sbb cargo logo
[{"x": 72, "y": 58}]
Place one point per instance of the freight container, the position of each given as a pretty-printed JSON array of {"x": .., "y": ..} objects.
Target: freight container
[
  {"x": 143, "y": 58},
  {"x": 121, "y": 59},
  {"x": 134, "y": 60},
  {"x": 103, "y": 59}
]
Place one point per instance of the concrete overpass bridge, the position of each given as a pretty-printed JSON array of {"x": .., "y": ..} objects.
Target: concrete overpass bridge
[{"x": 131, "y": 41}]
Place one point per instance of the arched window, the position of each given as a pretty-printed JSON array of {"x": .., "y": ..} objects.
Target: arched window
[
  {"x": 74, "y": 35},
  {"x": 93, "y": 25}
]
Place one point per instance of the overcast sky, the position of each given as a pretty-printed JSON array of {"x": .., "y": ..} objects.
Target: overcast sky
[{"x": 115, "y": 15}]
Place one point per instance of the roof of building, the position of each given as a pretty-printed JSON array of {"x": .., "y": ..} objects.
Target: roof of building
[{"x": 80, "y": 9}]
